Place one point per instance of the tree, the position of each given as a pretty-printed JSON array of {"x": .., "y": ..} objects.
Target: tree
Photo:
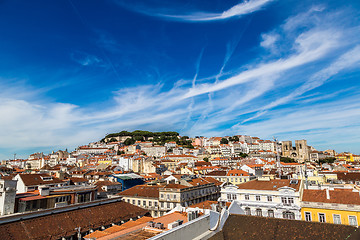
[
  {"x": 129, "y": 141},
  {"x": 243, "y": 155},
  {"x": 327, "y": 160},
  {"x": 287, "y": 160},
  {"x": 206, "y": 159},
  {"x": 139, "y": 138},
  {"x": 235, "y": 138},
  {"x": 184, "y": 137},
  {"x": 224, "y": 141},
  {"x": 120, "y": 152}
]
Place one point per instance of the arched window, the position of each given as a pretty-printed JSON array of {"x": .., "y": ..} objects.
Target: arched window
[
  {"x": 270, "y": 213},
  {"x": 259, "y": 212},
  {"x": 247, "y": 211},
  {"x": 288, "y": 215}
]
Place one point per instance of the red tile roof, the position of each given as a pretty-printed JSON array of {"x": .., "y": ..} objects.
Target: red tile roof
[
  {"x": 269, "y": 185},
  {"x": 58, "y": 225},
  {"x": 336, "y": 196},
  {"x": 237, "y": 173},
  {"x": 142, "y": 190},
  {"x": 36, "y": 179}
]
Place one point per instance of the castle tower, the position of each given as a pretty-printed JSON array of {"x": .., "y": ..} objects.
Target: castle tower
[
  {"x": 286, "y": 148},
  {"x": 302, "y": 150}
]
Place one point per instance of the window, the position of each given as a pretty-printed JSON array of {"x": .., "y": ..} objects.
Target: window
[
  {"x": 270, "y": 213},
  {"x": 162, "y": 195},
  {"x": 128, "y": 200},
  {"x": 322, "y": 217},
  {"x": 144, "y": 203},
  {"x": 133, "y": 201},
  {"x": 308, "y": 216},
  {"x": 288, "y": 215},
  {"x": 337, "y": 219},
  {"x": 231, "y": 197},
  {"x": 247, "y": 197},
  {"x": 352, "y": 221},
  {"x": 155, "y": 204},
  {"x": 168, "y": 205},
  {"x": 139, "y": 202},
  {"x": 150, "y": 204},
  {"x": 287, "y": 201},
  {"x": 269, "y": 198},
  {"x": 259, "y": 212},
  {"x": 257, "y": 198},
  {"x": 162, "y": 204},
  {"x": 247, "y": 211}
]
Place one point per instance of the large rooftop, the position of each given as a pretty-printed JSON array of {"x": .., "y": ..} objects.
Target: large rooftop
[
  {"x": 62, "y": 223},
  {"x": 254, "y": 228},
  {"x": 274, "y": 184}
]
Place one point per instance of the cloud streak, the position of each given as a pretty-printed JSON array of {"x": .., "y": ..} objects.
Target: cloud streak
[
  {"x": 263, "y": 97},
  {"x": 238, "y": 10},
  {"x": 244, "y": 8}
]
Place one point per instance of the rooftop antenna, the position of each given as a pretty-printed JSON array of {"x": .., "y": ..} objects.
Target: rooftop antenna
[
  {"x": 14, "y": 156},
  {"x": 78, "y": 229}
]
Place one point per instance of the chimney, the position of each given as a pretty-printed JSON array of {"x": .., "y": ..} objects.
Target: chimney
[
  {"x": 44, "y": 191},
  {"x": 327, "y": 193}
]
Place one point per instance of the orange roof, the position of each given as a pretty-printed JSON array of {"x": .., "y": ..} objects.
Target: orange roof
[
  {"x": 269, "y": 185},
  {"x": 96, "y": 234},
  {"x": 254, "y": 165},
  {"x": 177, "y": 186},
  {"x": 297, "y": 164},
  {"x": 236, "y": 172},
  {"x": 204, "y": 205},
  {"x": 336, "y": 196},
  {"x": 166, "y": 219}
]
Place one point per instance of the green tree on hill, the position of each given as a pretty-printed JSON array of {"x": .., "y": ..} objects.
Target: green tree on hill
[{"x": 224, "y": 141}]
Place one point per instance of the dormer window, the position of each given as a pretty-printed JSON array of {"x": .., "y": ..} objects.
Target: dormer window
[{"x": 46, "y": 178}]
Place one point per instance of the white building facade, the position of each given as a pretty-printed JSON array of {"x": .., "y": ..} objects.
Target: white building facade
[{"x": 279, "y": 198}]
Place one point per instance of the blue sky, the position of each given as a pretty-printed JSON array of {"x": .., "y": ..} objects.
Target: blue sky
[{"x": 72, "y": 71}]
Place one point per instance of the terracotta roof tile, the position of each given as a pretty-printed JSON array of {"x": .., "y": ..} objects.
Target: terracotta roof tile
[
  {"x": 37, "y": 179},
  {"x": 336, "y": 196},
  {"x": 269, "y": 185},
  {"x": 63, "y": 224},
  {"x": 254, "y": 228},
  {"x": 142, "y": 190}
]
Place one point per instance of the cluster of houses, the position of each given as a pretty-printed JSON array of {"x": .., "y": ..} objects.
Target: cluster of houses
[{"x": 175, "y": 185}]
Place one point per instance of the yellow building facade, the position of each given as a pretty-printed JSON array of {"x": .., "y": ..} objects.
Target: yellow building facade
[
  {"x": 345, "y": 217},
  {"x": 338, "y": 206}
]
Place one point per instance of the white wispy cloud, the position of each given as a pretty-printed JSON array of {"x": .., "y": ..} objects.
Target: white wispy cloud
[
  {"x": 241, "y": 9},
  {"x": 86, "y": 59},
  {"x": 324, "y": 124},
  {"x": 251, "y": 100},
  {"x": 238, "y": 10}
]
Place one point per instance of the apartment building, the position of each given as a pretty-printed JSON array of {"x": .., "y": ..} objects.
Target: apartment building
[
  {"x": 31, "y": 182},
  {"x": 144, "y": 196},
  {"x": 279, "y": 198},
  {"x": 233, "y": 176},
  {"x": 159, "y": 199},
  {"x": 338, "y": 206}
]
